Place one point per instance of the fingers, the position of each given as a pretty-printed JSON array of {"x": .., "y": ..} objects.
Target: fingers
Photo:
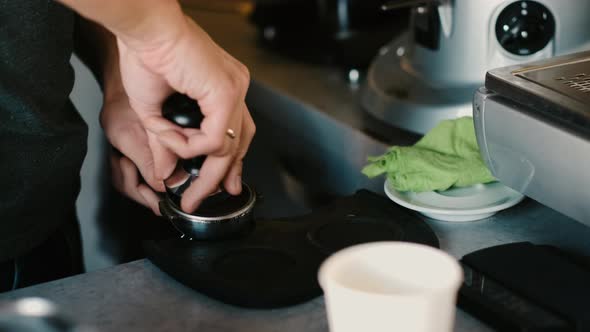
[
  {"x": 131, "y": 182},
  {"x": 209, "y": 139},
  {"x": 211, "y": 174},
  {"x": 197, "y": 144},
  {"x": 164, "y": 159},
  {"x": 227, "y": 168},
  {"x": 233, "y": 179},
  {"x": 224, "y": 106},
  {"x": 248, "y": 132},
  {"x": 123, "y": 130},
  {"x": 127, "y": 181},
  {"x": 116, "y": 173},
  {"x": 151, "y": 198},
  {"x": 137, "y": 149}
]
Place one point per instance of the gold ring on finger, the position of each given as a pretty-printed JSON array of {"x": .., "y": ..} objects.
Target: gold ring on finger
[{"x": 230, "y": 133}]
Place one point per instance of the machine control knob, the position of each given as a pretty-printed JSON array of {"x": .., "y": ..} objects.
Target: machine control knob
[{"x": 525, "y": 27}]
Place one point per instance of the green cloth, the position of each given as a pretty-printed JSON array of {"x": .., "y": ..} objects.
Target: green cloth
[{"x": 446, "y": 156}]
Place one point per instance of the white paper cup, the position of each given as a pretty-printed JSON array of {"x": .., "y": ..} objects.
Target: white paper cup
[{"x": 390, "y": 286}]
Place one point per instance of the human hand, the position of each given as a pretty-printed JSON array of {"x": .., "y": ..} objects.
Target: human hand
[
  {"x": 126, "y": 133},
  {"x": 162, "y": 51},
  {"x": 188, "y": 61}
]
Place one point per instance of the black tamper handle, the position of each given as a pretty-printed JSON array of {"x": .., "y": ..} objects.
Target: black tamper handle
[{"x": 185, "y": 112}]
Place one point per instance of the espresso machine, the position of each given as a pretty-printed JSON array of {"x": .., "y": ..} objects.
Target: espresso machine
[
  {"x": 430, "y": 72},
  {"x": 532, "y": 123}
]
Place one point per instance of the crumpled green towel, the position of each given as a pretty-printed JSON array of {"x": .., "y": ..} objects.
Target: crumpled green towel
[{"x": 446, "y": 156}]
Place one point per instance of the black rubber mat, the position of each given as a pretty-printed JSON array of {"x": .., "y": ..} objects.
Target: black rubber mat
[{"x": 276, "y": 264}]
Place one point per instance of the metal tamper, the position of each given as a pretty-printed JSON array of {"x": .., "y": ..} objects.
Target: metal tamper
[{"x": 221, "y": 215}]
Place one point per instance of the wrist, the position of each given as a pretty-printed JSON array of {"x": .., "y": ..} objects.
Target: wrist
[
  {"x": 164, "y": 23},
  {"x": 135, "y": 21}
]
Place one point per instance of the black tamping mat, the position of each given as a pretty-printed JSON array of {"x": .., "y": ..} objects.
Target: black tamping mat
[{"x": 276, "y": 264}]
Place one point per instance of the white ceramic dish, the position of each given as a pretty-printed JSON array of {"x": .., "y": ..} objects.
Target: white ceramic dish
[{"x": 458, "y": 204}]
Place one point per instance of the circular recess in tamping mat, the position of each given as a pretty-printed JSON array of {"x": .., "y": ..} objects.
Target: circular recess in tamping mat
[
  {"x": 334, "y": 236},
  {"x": 246, "y": 264},
  {"x": 276, "y": 264}
]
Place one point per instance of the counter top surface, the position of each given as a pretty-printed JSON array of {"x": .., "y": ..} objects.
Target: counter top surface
[{"x": 137, "y": 296}]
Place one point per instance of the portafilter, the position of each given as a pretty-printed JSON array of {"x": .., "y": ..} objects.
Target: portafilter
[{"x": 219, "y": 216}]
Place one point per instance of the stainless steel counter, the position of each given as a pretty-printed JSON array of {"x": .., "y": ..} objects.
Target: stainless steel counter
[{"x": 312, "y": 118}]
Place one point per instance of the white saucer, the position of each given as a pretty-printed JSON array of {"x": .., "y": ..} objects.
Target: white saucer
[{"x": 458, "y": 204}]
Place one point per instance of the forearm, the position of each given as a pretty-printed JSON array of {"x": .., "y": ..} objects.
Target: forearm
[{"x": 141, "y": 20}]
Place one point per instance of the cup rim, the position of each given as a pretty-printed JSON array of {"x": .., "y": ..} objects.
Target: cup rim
[{"x": 454, "y": 281}]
